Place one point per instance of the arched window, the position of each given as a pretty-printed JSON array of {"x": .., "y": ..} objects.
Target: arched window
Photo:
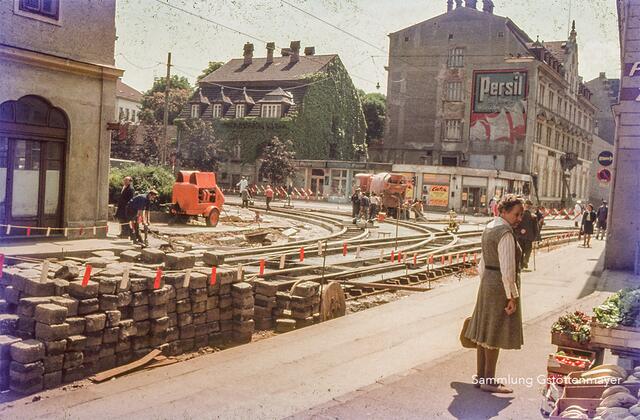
[{"x": 33, "y": 136}]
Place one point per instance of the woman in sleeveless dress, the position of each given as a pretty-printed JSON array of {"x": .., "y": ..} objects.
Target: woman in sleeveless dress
[{"x": 496, "y": 322}]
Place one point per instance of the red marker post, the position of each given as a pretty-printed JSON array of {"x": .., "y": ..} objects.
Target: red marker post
[
  {"x": 344, "y": 249},
  {"x": 431, "y": 259},
  {"x": 442, "y": 260},
  {"x": 87, "y": 275},
  {"x": 262, "y": 263},
  {"x": 475, "y": 258},
  {"x": 301, "y": 254},
  {"x": 28, "y": 231},
  {"x": 81, "y": 231},
  {"x": 415, "y": 259},
  {"x": 156, "y": 281},
  {"x": 399, "y": 256},
  {"x": 450, "y": 259},
  {"x": 214, "y": 272},
  {"x": 393, "y": 256}
]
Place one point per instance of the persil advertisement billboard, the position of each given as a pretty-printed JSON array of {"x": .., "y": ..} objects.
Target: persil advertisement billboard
[{"x": 499, "y": 108}]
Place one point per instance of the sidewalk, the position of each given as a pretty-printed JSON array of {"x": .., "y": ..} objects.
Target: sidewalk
[{"x": 328, "y": 363}]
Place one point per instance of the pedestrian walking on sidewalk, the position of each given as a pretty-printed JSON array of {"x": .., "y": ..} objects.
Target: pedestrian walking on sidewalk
[
  {"x": 588, "y": 220},
  {"x": 355, "y": 205},
  {"x": 268, "y": 194},
  {"x": 126, "y": 194},
  {"x": 496, "y": 322},
  {"x": 603, "y": 213},
  {"x": 527, "y": 234}
]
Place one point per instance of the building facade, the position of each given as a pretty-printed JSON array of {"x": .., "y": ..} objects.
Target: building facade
[
  {"x": 605, "y": 96},
  {"x": 128, "y": 103},
  {"x": 471, "y": 89},
  {"x": 623, "y": 235},
  {"x": 303, "y": 97},
  {"x": 57, "y": 94}
]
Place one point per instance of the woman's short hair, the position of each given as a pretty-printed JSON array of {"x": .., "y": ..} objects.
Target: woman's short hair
[{"x": 508, "y": 202}]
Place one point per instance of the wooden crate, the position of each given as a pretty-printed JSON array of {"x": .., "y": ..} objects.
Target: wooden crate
[
  {"x": 562, "y": 340},
  {"x": 555, "y": 366},
  {"x": 593, "y": 391},
  {"x": 590, "y": 404}
]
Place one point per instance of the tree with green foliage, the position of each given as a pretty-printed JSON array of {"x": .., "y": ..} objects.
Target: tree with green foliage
[
  {"x": 277, "y": 161},
  {"x": 153, "y": 100},
  {"x": 213, "y": 66},
  {"x": 144, "y": 178},
  {"x": 199, "y": 147},
  {"x": 374, "y": 106}
]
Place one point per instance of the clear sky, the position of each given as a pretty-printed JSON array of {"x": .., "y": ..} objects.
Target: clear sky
[{"x": 148, "y": 29}]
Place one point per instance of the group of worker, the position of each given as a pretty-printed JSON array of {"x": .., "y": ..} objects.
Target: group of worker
[
  {"x": 133, "y": 212},
  {"x": 365, "y": 206},
  {"x": 269, "y": 193}
]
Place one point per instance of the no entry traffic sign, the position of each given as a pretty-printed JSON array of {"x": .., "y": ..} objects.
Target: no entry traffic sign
[
  {"x": 605, "y": 158},
  {"x": 604, "y": 175}
]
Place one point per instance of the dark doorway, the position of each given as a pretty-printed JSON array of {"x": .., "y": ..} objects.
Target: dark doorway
[{"x": 33, "y": 137}]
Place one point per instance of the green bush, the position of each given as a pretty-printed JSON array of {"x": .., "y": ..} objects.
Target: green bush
[{"x": 144, "y": 179}]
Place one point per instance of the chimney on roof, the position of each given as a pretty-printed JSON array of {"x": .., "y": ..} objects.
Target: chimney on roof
[
  {"x": 449, "y": 5},
  {"x": 248, "y": 53},
  {"x": 310, "y": 51},
  {"x": 271, "y": 46},
  {"x": 603, "y": 75},
  {"x": 487, "y": 6},
  {"x": 295, "y": 51},
  {"x": 471, "y": 4}
]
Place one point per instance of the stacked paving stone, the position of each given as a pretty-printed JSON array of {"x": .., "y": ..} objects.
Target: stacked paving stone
[
  {"x": 299, "y": 308},
  {"x": 58, "y": 331},
  {"x": 265, "y": 309}
]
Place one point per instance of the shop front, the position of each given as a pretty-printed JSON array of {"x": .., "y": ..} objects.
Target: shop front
[
  {"x": 436, "y": 191},
  {"x": 474, "y": 194}
]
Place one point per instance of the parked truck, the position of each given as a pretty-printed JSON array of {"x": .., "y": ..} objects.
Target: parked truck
[{"x": 391, "y": 187}]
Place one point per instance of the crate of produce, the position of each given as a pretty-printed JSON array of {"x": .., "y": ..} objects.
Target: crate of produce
[
  {"x": 565, "y": 364},
  {"x": 585, "y": 405},
  {"x": 593, "y": 391},
  {"x": 619, "y": 337},
  {"x": 565, "y": 341}
]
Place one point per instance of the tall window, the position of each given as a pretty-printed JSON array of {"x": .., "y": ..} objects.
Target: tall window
[
  {"x": 195, "y": 111},
  {"x": 217, "y": 110},
  {"x": 548, "y": 140},
  {"x": 454, "y": 91},
  {"x": 541, "y": 96},
  {"x": 270, "y": 111},
  {"x": 121, "y": 114},
  {"x": 46, "y": 8},
  {"x": 453, "y": 130},
  {"x": 551, "y": 99},
  {"x": 539, "y": 133},
  {"x": 240, "y": 110},
  {"x": 456, "y": 58}
]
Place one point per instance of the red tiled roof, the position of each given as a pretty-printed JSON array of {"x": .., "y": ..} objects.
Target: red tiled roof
[
  {"x": 280, "y": 70},
  {"x": 557, "y": 48},
  {"x": 125, "y": 91}
]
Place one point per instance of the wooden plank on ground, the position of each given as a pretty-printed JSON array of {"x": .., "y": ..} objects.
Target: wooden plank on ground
[{"x": 120, "y": 370}]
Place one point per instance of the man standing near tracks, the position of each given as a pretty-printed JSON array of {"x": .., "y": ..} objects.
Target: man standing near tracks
[
  {"x": 268, "y": 194},
  {"x": 355, "y": 205},
  {"x": 138, "y": 211},
  {"x": 527, "y": 232},
  {"x": 121, "y": 213}
]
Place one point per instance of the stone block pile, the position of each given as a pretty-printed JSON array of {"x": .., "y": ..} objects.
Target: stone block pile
[
  {"x": 297, "y": 308},
  {"x": 54, "y": 329}
]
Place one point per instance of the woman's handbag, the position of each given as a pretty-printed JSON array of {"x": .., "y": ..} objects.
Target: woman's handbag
[{"x": 466, "y": 343}]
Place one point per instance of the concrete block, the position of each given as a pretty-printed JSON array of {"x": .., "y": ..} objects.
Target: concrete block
[
  {"x": 187, "y": 331},
  {"x": 226, "y": 325},
  {"x": 284, "y": 325},
  {"x": 91, "y": 353},
  {"x": 242, "y": 337},
  {"x": 243, "y": 302},
  {"x": 199, "y": 318},
  {"x": 76, "y": 325},
  {"x": 187, "y": 344},
  {"x": 5, "y": 346},
  {"x": 49, "y": 313},
  {"x": 68, "y": 271},
  {"x": 263, "y": 324},
  {"x": 110, "y": 335},
  {"x": 226, "y": 314},
  {"x": 27, "y": 351},
  {"x": 127, "y": 328},
  {"x": 265, "y": 288},
  {"x": 107, "y": 362},
  {"x": 52, "y": 380},
  {"x": 12, "y": 295},
  {"x": 213, "y": 327},
  {"x": 159, "y": 296},
  {"x": 173, "y": 319},
  {"x": 306, "y": 289},
  {"x": 211, "y": 258},
  {"x": 98, "y": 262},
  {"x": 242, "y": 288},
  {"x": 61, "y": 287},
  {"x": 69, "y": 303},
  {"x": 213, "y": 315},
  {"x": 124, "y": 298},
  {"x": 244, "y": 326},
  {"x": 179, "y": 261},
  {"x": 54, "y": 332},
  {"x": 88, "y": 306},
  {"x": 28, "y": 387},
  {"x": 183, "y": 306},
  {"x": 95, "y": 322},
  {"x": 171, "y": 306},
  {"x": 140, "y": 298},
  {"x": 213, "y": 302},
  {"x": 198, "y": 280},
  {"x": 108, "y": 286},
  {"x": 140, "y": 313},
  {"x": 182, "y": 294},
  {"x": 138, "y": 343},
  {"x": 107, "y": 350},
  {"x": 197, "y": 307},
  {"x": 143, "y": 328},
  {"x": 198, "y": 295},
  {"x": 158, "y": 311},
  {"x": 201, "y": 341},
  {"x": 173, "y": 334},
  {"x": 55, "y": 347},
  {"x": 23, "y": 372},
  {"x": 137, "y": 285},
  {"x": 185, "y": 319},
  {"x": 265, "y": 301},
  {"x": 27, "y": 306},
  {"x": 94, "y": 339},
  {"x": 123, "y": 345},
  {"x": 108, "y": 302},
  {"x": 159, "y": 325},
  {"x": 73, "y": 374},
  {"x": 34, "y": 288},
  {"x": 225, "y": 289},
  {"x": 53, "y": 363},
  {"x": 113, "y": 318},
  {"x": 130, "y": 256},
  {"x": 72, "y": 359},
  {"x": 77, "y": 291},
  {"x": 76, "y": 342},
  {"x": 152, "y": 256}
]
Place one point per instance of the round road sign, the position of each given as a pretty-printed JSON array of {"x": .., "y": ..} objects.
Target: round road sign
[
  {"x": 604, "y": 175},
  {"x": 605, "y": 158}
]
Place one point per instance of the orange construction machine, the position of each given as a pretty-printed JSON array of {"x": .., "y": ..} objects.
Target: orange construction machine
[
  {"x": 196, "y": 194},
  {"x": 391, "y": 187}
]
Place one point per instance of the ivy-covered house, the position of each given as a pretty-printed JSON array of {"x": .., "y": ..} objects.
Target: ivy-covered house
[{"x": 306, "y": 98}]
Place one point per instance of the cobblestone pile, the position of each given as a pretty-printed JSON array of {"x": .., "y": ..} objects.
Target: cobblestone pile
[{"x": 54, "y": 329}]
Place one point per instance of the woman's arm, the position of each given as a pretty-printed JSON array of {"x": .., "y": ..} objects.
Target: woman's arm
[{"x": 507, "y": 257}]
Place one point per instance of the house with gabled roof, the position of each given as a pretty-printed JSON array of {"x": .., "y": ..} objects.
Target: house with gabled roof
[{"x": 306, "y": 98}]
